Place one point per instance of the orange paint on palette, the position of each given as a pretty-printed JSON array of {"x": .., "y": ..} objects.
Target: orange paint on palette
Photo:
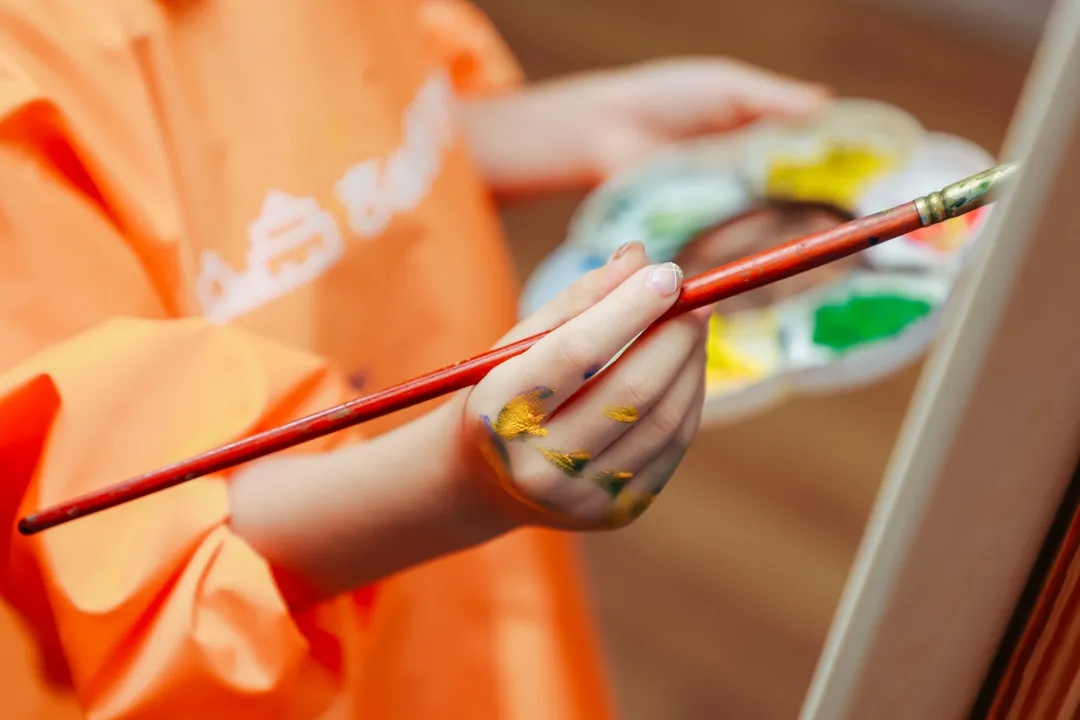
[{"x": 949, "y": 235}]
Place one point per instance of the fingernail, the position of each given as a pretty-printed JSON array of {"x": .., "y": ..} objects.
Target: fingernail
[
  {"x": 665, "y": 279},
  {"x": 620, "y": 252}
]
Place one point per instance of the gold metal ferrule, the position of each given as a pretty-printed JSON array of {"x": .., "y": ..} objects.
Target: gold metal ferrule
[{"x": 964, "y": 196}]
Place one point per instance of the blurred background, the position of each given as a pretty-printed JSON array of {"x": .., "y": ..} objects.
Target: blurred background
[{"x": 716, "y": 603}]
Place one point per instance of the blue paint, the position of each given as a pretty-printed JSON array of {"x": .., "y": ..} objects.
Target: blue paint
[
  {"x": 591, "y": 262},
  {"x": 358, "y": 380}
]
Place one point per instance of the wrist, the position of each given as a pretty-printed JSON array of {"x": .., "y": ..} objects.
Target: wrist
[{"x": 339, "y": 520}]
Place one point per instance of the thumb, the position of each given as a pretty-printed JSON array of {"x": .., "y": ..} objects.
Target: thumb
[{"x": 586, "y": 291}]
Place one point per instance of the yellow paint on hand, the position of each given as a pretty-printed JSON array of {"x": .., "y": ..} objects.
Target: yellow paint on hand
[
  {"x": 571, "y": 463},
  {"x": 622, "y": 414},
  {"x": 630, "y": 506},
  {"x": 522, "y": 416}
]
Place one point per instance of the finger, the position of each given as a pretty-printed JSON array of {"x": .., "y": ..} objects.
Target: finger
[
  {"x": 585, "y": 292},
  {"x": 761, "y": 92},
  {"x": 638, "y": 495},
  {"x": 538, "y": 381},
  {"x": 590, "y": 497},
  {"x": 616, "y": 498},
  {"x": 625, "y": 393},
  {"x": 719, "y": 94},
  {"x": 615, "y": 467}
]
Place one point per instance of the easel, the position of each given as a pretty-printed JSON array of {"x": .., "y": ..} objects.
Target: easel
[{"x": 989, "y": 443}]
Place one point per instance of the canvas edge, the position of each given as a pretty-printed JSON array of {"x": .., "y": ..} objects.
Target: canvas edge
[{"x": 909, "y": 576}]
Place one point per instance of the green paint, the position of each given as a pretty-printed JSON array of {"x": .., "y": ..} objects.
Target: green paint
[
  {"x": 863, "y": 319},
  {"x": 614, "y": 482},
  {"x": 675, "y": 228}
]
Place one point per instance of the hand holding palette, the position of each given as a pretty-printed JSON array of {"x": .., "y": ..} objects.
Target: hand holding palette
[{"x": 708, "y": 202}]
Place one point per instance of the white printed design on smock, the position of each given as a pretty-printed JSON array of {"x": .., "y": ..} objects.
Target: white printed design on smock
[{"x": 294, "y": 240}]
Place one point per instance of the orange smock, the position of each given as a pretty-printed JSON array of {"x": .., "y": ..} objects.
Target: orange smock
[{"x": 215, "y": 216}]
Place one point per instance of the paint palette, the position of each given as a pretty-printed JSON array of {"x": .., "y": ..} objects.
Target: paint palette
[{"x": 713, "y": 201}]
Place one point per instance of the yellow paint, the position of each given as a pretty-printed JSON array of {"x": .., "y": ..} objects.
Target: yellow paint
[
  {"x": 725, "y": 361},
  {"x": 623, "y": 414},
  {"x": 837, "y": 178},
  {"x": 494, "y": 456},
  {"x": 571, "y": 463},
  {"x": 630, "y": 506},
  {"x": 522, "y": 416}
]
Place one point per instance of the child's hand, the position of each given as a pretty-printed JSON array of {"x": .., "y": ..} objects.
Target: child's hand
[
  {"x": 525, "y": 446},
  {"x": 636, "y": 111},
  {"x": 574, "y": 446},
  {"x": 584, "y": 127}
]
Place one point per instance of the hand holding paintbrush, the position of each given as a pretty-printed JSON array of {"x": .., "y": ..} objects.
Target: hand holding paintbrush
[
  {"x": 753, "y": 272},
  {"x": 548, "y": 438}
]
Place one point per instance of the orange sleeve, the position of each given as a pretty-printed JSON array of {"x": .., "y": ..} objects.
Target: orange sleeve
[
  {"x": 155, "y": 609},
  {"x": 159, "y": 609},
  {"x": 479, "y": 61}
]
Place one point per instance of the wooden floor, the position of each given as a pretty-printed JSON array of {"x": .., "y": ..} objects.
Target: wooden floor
[{"x": 716, "y": 603}]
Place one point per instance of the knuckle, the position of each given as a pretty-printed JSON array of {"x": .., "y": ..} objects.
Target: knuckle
[
  {"x": 573, "y": 351},
  {"x": 500, "y": 379},
  {"x": 645, "y": 306},
  {"x": 686, "y": 434},
  {"x": 533, "y": 474},
  {"x": 573, "y": 301},
  {"x": 665, "y": 421},
  {"x": 587, "y": 290},
  {"x": 588, "y": 285},
  {"x": 679, "y": 338},
  {"x": 579, "y": 297},
  {"x": 638, "y": 393}
]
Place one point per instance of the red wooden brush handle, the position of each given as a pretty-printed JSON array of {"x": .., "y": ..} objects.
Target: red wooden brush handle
[{"x": 738, "y": 277}]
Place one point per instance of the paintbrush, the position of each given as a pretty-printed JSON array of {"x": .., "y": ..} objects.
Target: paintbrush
[{"x": 760, "y": 269}]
